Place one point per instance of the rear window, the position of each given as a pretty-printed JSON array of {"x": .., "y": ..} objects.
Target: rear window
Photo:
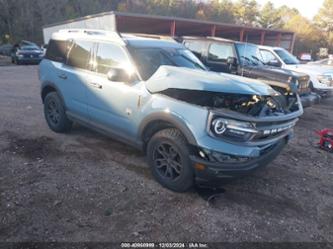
[{"x": 57, "y": 51}]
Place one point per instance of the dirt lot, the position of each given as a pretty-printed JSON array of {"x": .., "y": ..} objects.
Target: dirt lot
[{"x": 86, "y": 187}]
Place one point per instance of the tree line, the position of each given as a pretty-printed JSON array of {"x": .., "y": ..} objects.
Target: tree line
[{"x": 24, "y": 19}]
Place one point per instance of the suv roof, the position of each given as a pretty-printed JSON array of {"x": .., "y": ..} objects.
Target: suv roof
[
  {"x": 207, "y": 38},
  {"x": 135, "y": 40}
]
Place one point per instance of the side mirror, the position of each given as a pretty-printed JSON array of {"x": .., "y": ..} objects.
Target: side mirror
[
  {"x": 118, "y": 75},
  {"x": 232, "y": 61},
  {"x": 274, "y": 63}
]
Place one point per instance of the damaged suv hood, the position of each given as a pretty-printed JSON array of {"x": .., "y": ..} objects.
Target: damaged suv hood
[{"x": 169, "y": 77}]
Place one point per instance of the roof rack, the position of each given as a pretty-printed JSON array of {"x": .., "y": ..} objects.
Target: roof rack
[
  {"x": 107, "y": 34},
  {"x": 153, "y": 36}
]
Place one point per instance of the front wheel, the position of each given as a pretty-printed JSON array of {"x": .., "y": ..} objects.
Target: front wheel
[
  {"x": 55, "y": 114},
  {"x": 168, "y": 156}
]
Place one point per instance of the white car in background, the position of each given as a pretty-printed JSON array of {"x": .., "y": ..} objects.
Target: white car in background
[
  {"x": 323, "y": 62},
  {"x": 321, "y": 77}
]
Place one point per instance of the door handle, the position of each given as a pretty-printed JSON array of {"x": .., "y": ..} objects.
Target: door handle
[
  {"x": 97, "y": 85},
  {"x": 63, "y": 76}
]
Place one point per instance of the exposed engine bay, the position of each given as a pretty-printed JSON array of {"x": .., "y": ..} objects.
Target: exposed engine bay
[{"x": 254, "y": 105}]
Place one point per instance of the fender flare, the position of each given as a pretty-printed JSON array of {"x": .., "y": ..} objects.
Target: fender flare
[
  {"x": 51, "y": 84},
  {"x": 171, "y": 118}
]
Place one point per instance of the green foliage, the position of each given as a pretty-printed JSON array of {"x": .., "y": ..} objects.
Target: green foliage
[
  {"x": 308, "y": 35},
  {"x": 269, "y": 17},
  {"x": 324, "y": 19},
  {"x": 246, "y": 12}
]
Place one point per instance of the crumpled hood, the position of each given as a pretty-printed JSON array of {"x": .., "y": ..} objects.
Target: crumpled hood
[{"x": 169, "y": 77}]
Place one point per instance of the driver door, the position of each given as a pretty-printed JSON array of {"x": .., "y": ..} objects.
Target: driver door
[{"x": 112, "y": 105}]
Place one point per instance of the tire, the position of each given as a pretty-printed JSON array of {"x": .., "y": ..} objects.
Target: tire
[
  {"x": 168, "y": 157},
  {"x": 55, "y": 115}
]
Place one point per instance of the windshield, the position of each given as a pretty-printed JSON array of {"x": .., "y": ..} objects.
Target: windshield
[
  {"x": 148, "y": 60},
  {"x": 249, "y": 54},
  {"x": 287, "y": 58},
  {"x": 29, "y": 48}
]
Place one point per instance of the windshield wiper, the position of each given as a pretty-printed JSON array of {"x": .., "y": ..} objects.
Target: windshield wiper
[
  {"x": 257, "y": 59},
  {"x": 249, "y": 60}
]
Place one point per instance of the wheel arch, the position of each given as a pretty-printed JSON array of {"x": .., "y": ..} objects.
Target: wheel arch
[
  {"x": 159, "y": 121},
  {"x": 48, "y": 87}
]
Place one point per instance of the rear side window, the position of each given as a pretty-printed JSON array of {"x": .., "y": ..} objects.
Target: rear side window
[
  {"x": 220, "y": 52},
  {"x": 195, "y": 46},
  {"x": 108, "y": 56},
  {"x": 79, "y": 55},
  {"x": 57, "y": 51}
]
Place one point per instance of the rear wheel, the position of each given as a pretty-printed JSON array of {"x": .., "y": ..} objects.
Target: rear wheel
[
  {"x": 168, "y": 156},
  {"x": 55, "y": 114}
]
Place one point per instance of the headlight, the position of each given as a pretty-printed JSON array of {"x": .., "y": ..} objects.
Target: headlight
[
  {"x": 232, "y": 129},
  {"x": 325, "y": 79}
]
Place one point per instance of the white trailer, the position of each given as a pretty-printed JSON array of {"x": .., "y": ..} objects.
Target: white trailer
[
  {"x": 103, "y": 21},
  {"x": 172, "y": 26}
]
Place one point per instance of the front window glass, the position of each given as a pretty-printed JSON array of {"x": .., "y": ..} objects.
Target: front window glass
[
  {"x": 148, "y": 60},
  {"x": 110, "y": 56},
  {"x": 267, "y": 56},
  {"x": 249, "y": 54},
  {"x": 287, "y": 58}
]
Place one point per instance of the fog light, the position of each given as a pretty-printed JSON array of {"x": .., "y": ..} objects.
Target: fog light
[{"x": 199, "y": 166}]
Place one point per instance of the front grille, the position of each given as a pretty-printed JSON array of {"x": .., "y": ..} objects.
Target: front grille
[
  {"x": 30, "y": 55},
  {"x": 271, "y": 130}
]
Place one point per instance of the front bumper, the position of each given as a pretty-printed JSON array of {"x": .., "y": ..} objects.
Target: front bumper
[
  {"x": 310, "y": 99},
  {"x": 324, "y": 92},
  {"x": 28, "y": 60},
  {"x": 214, "y": 172}
]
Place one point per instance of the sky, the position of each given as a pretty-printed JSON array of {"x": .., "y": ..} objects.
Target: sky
[{"x": 308, "y": 8}]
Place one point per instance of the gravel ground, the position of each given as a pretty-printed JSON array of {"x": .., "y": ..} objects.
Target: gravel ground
[{"x": 85, "y": 187}]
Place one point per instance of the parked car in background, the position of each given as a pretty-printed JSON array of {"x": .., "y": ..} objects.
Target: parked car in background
[
  {"x": 305, "y": 57},
  {"x": 5, "y": 49},
  {"x": 321, "y": 78},
  {"x": 156, "y": 95},
  {"x": 323, "y": 62},
  {"x": 26, "y": 53},
  {"x": 244, "y": 59}
]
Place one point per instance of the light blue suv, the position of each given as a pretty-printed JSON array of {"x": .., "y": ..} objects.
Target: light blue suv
[{"x": 157, "y": 96}]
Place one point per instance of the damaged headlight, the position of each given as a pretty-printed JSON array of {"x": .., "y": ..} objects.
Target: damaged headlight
[{"x": 232, "y": 129}]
